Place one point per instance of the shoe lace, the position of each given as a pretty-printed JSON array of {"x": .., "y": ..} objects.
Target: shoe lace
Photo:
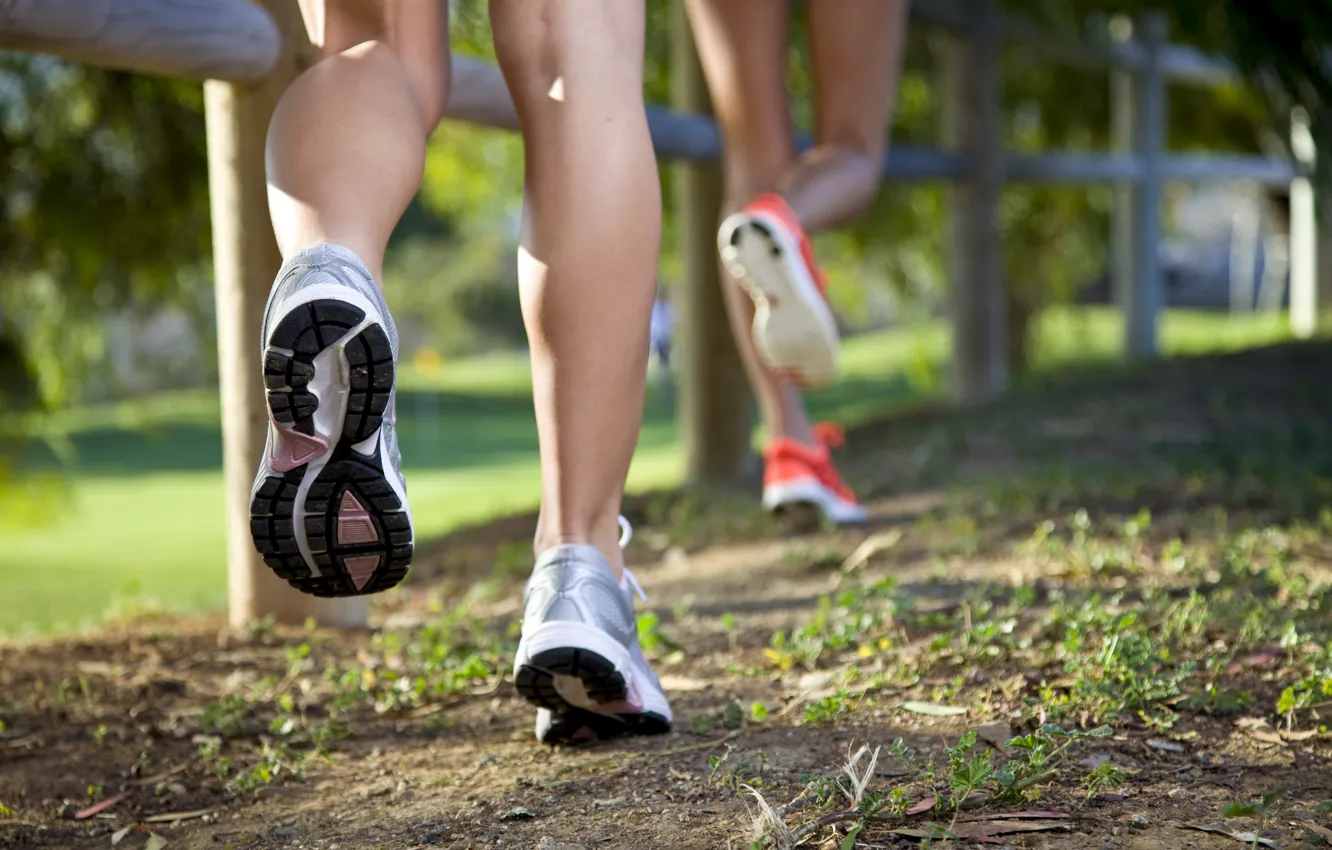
[
  {"x": 832, "y": 436},
  {"x": 628, "y": 581}
]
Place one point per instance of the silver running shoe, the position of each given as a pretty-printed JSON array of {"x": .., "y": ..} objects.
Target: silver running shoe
[
  {"x": 329, "y": 506},
  {"x": 579, "y": 660}
]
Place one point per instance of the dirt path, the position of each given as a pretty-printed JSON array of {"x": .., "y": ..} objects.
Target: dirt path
[{"x": 784, "y": 653}]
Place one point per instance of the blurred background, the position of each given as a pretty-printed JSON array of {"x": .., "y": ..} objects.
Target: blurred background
[{"x": 110, "y": 444}]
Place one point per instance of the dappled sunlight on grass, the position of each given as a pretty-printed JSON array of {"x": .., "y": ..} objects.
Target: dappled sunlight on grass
[{"x": 142, "y": 515}]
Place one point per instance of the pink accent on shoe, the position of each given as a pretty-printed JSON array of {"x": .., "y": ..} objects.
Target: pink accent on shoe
[
  {"x": 631, "y": 704},
  {"x": 360, "y": 569},
  {"x": 354, "y": 523},
  {"x": 584, "y": 735},
  {"x": 291, "y": 449}
]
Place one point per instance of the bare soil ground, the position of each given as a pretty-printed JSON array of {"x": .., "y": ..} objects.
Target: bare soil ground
[{"x": 1143, "y": 551}]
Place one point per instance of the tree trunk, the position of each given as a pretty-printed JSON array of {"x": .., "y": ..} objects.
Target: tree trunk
[
  {"x": 715, "y": 415},
  {"x": 1021, "y": 316}
]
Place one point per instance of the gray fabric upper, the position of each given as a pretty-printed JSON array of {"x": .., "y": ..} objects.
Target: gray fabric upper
[
  {"x": 573, "y": 583},
  {"x": 326, "y": 264}
]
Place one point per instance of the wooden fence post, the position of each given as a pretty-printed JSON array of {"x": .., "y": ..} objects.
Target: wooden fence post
[
  {"x": 1122, "y": 86},
  {"x": 245, "y": 259},
  {"x": 715, "y": 413},
  {"x": 973, "y": 126},
  {"x": 1303, "y": 231},
  {"x": 1141, "y": 293}
]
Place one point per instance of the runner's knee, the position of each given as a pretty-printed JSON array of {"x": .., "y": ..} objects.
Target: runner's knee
[{"x": 555, "y": 51}]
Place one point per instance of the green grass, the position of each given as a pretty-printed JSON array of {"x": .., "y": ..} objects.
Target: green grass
[{"x": 140, "y": 522}]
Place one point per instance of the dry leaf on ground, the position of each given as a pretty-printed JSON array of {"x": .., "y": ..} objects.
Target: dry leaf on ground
[
  {"x": 1031, "y": 814},
  {"x": 100, "y": 807},
  {"x": 982, "y": 830},
  {"x": 931, "y": 708},
  {"x": 174, "y": 817},
  {"x": 873, "y": 545},
  {"x": 923, "y": 806},
  {"x": 1321, "y": 831},
  {"x": 1229, "y": 831}
]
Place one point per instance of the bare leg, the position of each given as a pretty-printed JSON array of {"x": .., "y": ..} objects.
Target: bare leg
[
  {"x": 588, "y": 261},
  {"x": 742, "y": 46},
  {"x": 856, "y": 48},
  {"x": 346, "y": 147}
]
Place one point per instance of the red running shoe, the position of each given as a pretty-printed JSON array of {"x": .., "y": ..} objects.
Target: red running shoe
[
  {"x": 766, "y": 250},
  {"x": 796, "y": 474}
]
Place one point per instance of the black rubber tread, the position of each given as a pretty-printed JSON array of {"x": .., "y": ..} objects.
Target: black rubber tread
[
  {"x": 579, "y": 726},
  {"x": 762, "y": 231},
  {"x": 288, "y": 370},
  {"x": 370, "y": 358},
  {"x": 349, "y": 471},
  {"x": 800, "y": 517},
  {"x": 536, "y": 679},
  {"x": 272, "y": 526},
  {"x": 754, "y": 230},
  {"x": 315, "y": 325},
  {"x": 535, "y": 682},
  {"x": 760, "y": 227},
  {"x": 304, "y": 332},
  {"x": 734, "y": 238}
]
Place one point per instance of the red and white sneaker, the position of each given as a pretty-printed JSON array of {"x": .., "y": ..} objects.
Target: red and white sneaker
[
  {"x": 766, "y": 250},
  {"x": 797, "y": 474}
]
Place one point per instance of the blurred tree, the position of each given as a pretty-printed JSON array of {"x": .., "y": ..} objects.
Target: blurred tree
[
  {"x": 1282, "y": 47},
  {"x": 103, "y": 203},
  {"x": 104, "y": 189},
  {"x": 1057, "y": 237}
]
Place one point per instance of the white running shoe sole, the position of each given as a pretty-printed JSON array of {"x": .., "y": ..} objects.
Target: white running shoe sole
[
  {"x": 583, "y": 678},
  {"x": 808, "y": 491},
  {"x": 794, "y": 330},
  {"x": 329, "y": 513}
]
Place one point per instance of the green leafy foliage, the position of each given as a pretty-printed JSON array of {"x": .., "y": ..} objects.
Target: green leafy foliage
[
  {"x": 106, "y": 207},
  {"x": 1104, "y": 777}
]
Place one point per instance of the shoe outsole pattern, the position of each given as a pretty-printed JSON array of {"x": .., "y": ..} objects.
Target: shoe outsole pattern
[
  {"x": 799, "y": 349},
  {"x": 360, "y": 537},
  {"x": 801, "y": 516},
  {"x": 580, "y": 726},
  {"x": 535, "y": 682}
]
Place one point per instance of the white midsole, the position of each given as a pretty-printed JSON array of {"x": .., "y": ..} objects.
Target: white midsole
[
  {"x": 565, "y": 634},
  {"x": 810, "y": 491}
]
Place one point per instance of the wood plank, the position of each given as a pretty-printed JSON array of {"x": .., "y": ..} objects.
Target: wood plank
[
  {"x": 974, "y": 128},
  {"x": 715, "y": 413},
  {"x": 199, "y": 39}
]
